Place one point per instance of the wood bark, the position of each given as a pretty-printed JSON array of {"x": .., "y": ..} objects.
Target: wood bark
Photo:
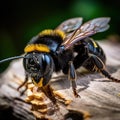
[{"x": 99, "y": 97}]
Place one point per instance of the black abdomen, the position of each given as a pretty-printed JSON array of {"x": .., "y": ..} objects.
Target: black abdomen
[{"x": 95, "y": 49}]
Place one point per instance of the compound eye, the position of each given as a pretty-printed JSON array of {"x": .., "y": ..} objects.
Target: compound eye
[{"x": 48, "y": 64}]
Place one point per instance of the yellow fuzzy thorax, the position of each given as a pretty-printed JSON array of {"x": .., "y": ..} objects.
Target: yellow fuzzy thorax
[
  {"x": 42, "y": 47},
  {"x": 36, "y": 47},
  {"x": 53, "y": 33}
]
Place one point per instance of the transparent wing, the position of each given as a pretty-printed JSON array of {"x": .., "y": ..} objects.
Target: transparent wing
[
  {"x": 87, "y": 29},
  {"x": 70, "y": 25}
]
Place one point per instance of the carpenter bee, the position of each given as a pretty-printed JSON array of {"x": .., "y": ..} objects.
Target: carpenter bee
[{"x": 66, "y": 48}]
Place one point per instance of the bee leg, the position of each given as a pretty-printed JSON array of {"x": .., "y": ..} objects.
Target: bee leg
[
  {"x": 48, "y": 91},
  {"x": 25, "y": 81},
  {"x": 54, "y": 96},
  {"x": 72, "y": 77},
  {"x": 101, "y": 67}
]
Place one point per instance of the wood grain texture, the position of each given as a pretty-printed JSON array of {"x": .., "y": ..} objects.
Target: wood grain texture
[{"x": 100, "y": 98}]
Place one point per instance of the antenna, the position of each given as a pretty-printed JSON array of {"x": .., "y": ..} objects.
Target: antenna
[{"x": 11, "y": 58}]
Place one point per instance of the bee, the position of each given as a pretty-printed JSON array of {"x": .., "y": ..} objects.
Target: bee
[{"x": 66, "y": 49}]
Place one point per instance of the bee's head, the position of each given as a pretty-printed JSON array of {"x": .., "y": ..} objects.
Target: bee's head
[{"x": 39, "y": 66}]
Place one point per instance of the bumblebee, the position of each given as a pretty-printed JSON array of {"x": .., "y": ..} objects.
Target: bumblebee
[{"x": 66, "y": 49}]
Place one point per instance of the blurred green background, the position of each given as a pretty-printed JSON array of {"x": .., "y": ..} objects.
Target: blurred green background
[{"x": 23, "y": 19}]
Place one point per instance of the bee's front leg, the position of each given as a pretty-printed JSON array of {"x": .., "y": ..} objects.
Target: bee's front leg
[{"x": 24, "y": 83}]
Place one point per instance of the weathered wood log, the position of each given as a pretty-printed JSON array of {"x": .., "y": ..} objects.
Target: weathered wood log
[{"x": 100, "y": 98}]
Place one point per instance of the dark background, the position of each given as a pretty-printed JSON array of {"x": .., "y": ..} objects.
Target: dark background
[{"x": 22, "y": 19}]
